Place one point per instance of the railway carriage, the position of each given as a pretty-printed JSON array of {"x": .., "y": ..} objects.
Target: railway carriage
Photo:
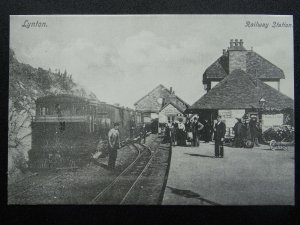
[{"x": 67, "y": 129}]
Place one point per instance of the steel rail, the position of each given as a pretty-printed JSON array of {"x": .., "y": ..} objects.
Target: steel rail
[
  {"x": 140, "y": 175},
  {"x": 118, "y": 177}
]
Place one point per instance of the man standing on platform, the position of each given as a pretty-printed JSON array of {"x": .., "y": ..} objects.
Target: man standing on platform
[
  {"x": 220, "y": 130},
  {"x": 114, "y": 145}
]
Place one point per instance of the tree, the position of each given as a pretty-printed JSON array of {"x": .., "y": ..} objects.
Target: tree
[{"x": 43, "y": 79}]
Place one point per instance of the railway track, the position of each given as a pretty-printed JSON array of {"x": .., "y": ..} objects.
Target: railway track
[
  {"x": 31, "y": 183},
  {"x": 114, "y": 192},
  {"x": 119, "y": 189}
]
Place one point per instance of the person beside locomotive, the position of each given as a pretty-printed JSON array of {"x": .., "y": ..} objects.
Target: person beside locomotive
[{"x": 114, "y": 145}]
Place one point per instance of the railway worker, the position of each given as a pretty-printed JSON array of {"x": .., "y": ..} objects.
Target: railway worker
[
  {"x": 143, "y": 133},
  {"x": 220, "y": 130},
  {"x": 114, "y": 145}
]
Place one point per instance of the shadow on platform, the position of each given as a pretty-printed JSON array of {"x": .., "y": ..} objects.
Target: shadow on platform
[
  {"x": 206, "y": 156},
  {"x": 190, "y": 194}
]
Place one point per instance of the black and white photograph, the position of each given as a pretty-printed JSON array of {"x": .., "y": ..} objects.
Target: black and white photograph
[{"x": 151, "y": 110}]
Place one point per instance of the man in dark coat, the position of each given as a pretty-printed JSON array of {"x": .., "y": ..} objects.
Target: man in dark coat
[
  {"x": 238, "y": 133},
  {"x": 206, "y": 132},
  {"x": 220, "y": 130},
  {"x": 254, "y": 130},
  {"x": 173, "y": 134}
]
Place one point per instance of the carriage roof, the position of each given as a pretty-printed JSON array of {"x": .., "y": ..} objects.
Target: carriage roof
[{"x": 64, "y": 98}]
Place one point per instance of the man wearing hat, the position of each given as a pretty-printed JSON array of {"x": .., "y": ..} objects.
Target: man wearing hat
[
  {"x": 114, "y": 145},
  {"x": 220, "y": 130}
]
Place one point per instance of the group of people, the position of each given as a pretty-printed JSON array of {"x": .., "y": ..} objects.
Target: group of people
[
  {"x": 179, "y": 133},
  {"x": 245, "y": 130}
]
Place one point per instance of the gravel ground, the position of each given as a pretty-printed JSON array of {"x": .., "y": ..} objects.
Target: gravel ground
[
  {"x": 80, "y": 186},
  {"x": 72, "y": 187},
  {"x": 255, "y": 176}
]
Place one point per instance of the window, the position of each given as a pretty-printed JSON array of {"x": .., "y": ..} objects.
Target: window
[{"x": 43, "y": 111}]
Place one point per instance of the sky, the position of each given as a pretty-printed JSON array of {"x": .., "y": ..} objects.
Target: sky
[{"x": 122, "y": 58}]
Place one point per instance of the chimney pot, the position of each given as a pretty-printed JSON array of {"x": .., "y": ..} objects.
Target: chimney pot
[
  {"x": 224, "y": 51},
  {"x": 231, "y": 42},
  {"x": 236, "y": 42},
  {"x": 241, "y": 42},
  {"x": 171, "y": 89}
]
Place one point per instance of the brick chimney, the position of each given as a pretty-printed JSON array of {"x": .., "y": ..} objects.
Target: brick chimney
[
  {"x": 237, "y": 55},
  {"x": 224, "y": 52}
]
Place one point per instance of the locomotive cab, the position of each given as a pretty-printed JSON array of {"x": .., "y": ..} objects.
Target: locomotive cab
[{"x": 62, "y": 129}]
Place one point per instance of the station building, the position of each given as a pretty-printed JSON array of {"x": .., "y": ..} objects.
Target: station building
[
  {"x": 162, "y": 104},
  {"x": 239, "y": 83}
]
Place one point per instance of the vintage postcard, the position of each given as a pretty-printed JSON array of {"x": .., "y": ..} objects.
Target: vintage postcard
[{"x": 151, "y": 110}]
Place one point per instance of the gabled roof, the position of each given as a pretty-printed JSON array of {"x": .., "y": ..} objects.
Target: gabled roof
[
  {"x": 158, "y": 87},
  {"x": 240, "y": 91},
  {"x": 175, "y": 105},
  {"x": 150, "y": 104},
  {"x": 255, "y": 64},
  {"x": 219, "y": 69}
]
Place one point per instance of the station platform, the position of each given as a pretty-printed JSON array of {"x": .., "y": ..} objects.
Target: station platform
[{"x": 255, "y": 176}]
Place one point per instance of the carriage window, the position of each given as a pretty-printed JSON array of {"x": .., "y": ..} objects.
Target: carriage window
[
  {"x": 58, "y": 109},
  {"x": 43, "y": 111}
]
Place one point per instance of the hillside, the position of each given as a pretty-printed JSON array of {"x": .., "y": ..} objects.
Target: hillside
[{"x": 26, "y": 84}]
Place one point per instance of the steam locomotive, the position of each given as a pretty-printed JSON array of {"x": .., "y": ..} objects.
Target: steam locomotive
[{"x": 67, "y": 129}]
